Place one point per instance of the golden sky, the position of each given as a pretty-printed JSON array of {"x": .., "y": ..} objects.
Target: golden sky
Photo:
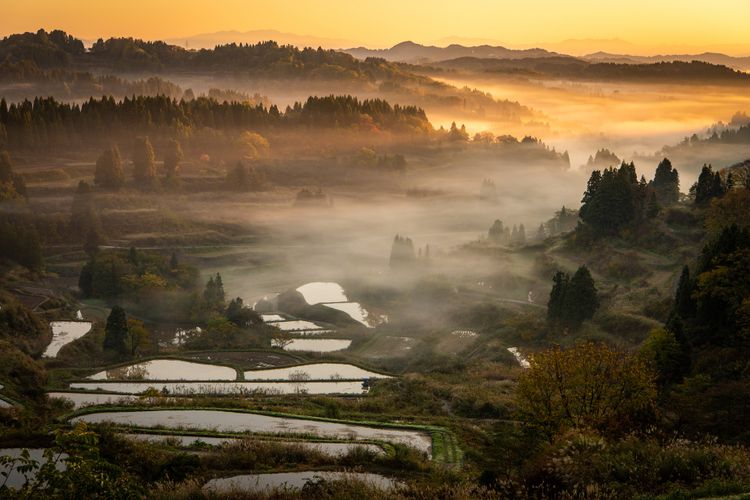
[{"x": 649, "y": 25}]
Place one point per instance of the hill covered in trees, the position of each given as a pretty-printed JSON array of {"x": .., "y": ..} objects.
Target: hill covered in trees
[
  {"x": 578, "y": 69},
  {"x": 57, "y": 56}
]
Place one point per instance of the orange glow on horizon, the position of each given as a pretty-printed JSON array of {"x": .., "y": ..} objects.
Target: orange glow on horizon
[{"x": 637, "y": 27}]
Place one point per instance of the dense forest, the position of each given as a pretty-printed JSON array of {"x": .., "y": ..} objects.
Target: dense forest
[
  {"x": 46, "y": 122},
  {"x": 579, "y": 69}
]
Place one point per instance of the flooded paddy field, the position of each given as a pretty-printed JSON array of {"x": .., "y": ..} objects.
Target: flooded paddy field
[{"x": 237, "y": 422}]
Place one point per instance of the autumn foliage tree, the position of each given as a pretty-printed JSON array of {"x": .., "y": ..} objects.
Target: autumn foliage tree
[
  {"x": 109, "y": 173},
  {"x": 589, "y": 386},
  {"x": 172, "y": 159},
  {"x": 144, "y": 164}
]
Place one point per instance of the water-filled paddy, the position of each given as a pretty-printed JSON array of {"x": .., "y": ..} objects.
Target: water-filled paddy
[
  {"x": 331, "y": 449},
  {"x": 355, "y": 311},
  {"x": 17, "y": 479},
  {"x": 290, "y": 326},
  {"x": 65, "y": 332},
  {"x": 227, "y": 421},
  {"x": 320, "y": 292},
  {"x": 290, "y": 480},
  {"x": 167, "y": 369},
  {"x": 271, "y": 317},
  {"x": 519, "y": 357},
  {"x": 225, "y": 388},
  {"x": 314, "y": 371},
  {"x": 80, "y": 399},
  {"x": 317, "y": 345}
]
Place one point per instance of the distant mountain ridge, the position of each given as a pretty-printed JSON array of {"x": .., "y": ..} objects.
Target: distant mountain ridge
[
  {"x": 211, "y": 40},
  {"x": 740, "y": 63},
  {"x": 412, "y": 52},
  {"x": 417, "y": 53}
]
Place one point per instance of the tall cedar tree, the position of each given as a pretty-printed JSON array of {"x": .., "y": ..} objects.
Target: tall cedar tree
[
  {"x": 572, "y": 300},
  {"x": 710, "y": 185},
  {"x": 666, "y": 183},
  {"x": 581, "y": 300},
  {"x": 109, "y": 174},
  {"x": 116, "y": 331},
  {"x": 144, "y": 163},
  {"x": 213, "y": 294},
  {"x": 557, "y": 297}
]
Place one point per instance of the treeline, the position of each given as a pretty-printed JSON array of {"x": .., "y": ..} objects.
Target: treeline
[
  {"x": 134, "y": 274},
  {"x": 579, "y": 69},
  {"x": 46, "y": 122},
  {"x": 70, "y": 84},
  {"x": 57, "y": 49},
  {"x": 615, "y": 199},
  {"x": 702, "y": 352}
]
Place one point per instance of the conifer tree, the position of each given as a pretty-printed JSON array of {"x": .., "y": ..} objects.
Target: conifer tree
[
  {"x": 684, "y": 303},
  {"x": 666, "y": 183},
  {"x": 116, "y": 331},
  {"x": 557, "y": 297},
  {"x": 581, "y": 300}
]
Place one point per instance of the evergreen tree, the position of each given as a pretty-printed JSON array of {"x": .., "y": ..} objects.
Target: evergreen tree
[
  {"x": 220, "y": 295},
  {"x": 116, "y": 331},
  {"x": 402, "y": 252},
  {"x": 572, "y": 300},
  {"x": 86, "y": 279},
  {"x": 710, "y": 185},
  {"x": 581, "y": 300},
  {"x": 556, "y": 304},
  {"x": 541, "y": 233},
  {"x": 240, "y": 315},
  {"x": 614, "y": 199},
  {"x": 684, "y": 303},
  {"x": 173, "y": 261},
  {"x": 109, "y": 173},
  {"x": 496, "y": 233},
  {"x": 213, "y": 294},
  {"x": 652, "y": 208},
  {"x": 144, "y": 164}
]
